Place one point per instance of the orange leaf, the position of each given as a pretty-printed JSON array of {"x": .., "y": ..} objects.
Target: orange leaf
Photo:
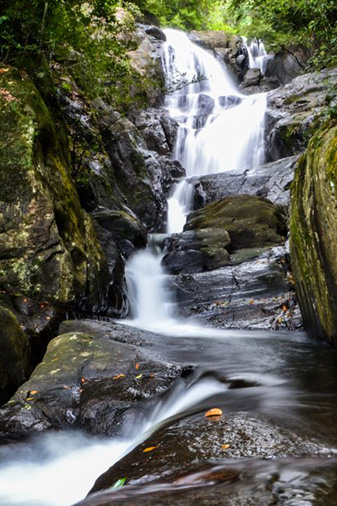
[
  {"x": 214, "y": 412},
  {"x": 150, "y": 449},
  {"x": 118, "y": 376},
  {"x": 225, "y": 447},
  {"x": 137, "y": 366},
  {"x": 33, "y": 392}
]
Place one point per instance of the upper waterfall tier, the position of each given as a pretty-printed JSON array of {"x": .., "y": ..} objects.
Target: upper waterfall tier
[{"x": 219, "y": 129}]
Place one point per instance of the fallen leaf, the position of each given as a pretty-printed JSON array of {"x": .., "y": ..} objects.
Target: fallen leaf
[
  {"x": 225, "y": 447},
  {"x": 137, "y": 366},
  {"x": 214, "y": 412},
  {"x": 150, "y": 449},
  {"x": 30, "y": 399},
  {"x": 33, "y": 392},
  {"x": 119, "y": 483},
  {"x": 118, "y": 376},
  {"x": 138, "y": 377}
]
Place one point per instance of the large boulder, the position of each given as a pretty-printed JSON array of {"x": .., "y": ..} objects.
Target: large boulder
[
  {"x": 250, "y": 221},
  {"x": 314, "y": 234},
  {"x": 288, "y": 63},
  {"x": 187, "y": 444},
  {"x": 48, "y": 246},
  {"x": 295, "y": 111},
  {"x": 91, "y": 374},
  {"x": 15, "y": 358},
  {"x": 196, "y": 251}
]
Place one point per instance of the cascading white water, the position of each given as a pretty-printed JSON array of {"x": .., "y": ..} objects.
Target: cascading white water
[
  {"x": 219, "y": 129},
  {"x": 257, "y": 54},
  {"x": 149, "y": 300},
  {"x": 60, "y": 468}
]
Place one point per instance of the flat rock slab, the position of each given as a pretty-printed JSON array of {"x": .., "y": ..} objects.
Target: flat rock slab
[
  {"x": 87, "y": 379},
  {"x": 254, "y": 292},
  {"x": 271, "y": 181}
]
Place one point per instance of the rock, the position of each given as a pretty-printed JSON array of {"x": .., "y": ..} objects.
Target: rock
[
  {"x": 250, "y": 221},
  {"x": 252, "y": 78},
  {"x": 288, "y": 63},
  {"x": 39, "y": 320},
  {"x": 15, "y": 357},
  {"x": 271, "y": 181},
  {"x": 157, "y": 129},
  {"x": 314, "y": 232},
  {"x": 145, "y": 61},
  {"x": 186, "y": 444},
  {"x": 156, "y": 32},
  {"x": 48, "y": 247},
  {"x": 295, "y": 112},
  {"x": 213, "y": 39},
  {"x": 124, "y": 230},
  {"x": 81, "y": 380},
  {"x": 196, "y": 251},
  {"x": 227, "y": 48},
  {"x": 255, "y": 292}
]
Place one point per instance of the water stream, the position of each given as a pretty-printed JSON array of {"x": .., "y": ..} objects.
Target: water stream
[
  {"x": 293, "y": 379},
  {"x": 219, "y": 128}
]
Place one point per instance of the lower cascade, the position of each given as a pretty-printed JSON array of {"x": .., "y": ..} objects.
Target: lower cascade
[{"x": 187, "y": 407}]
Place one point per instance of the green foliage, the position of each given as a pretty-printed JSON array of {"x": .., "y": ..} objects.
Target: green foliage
[
  {"x": 87, "y": 38},
  {"x": 312, "y": 23}
]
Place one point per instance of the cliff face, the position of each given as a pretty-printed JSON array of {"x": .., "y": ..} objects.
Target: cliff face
[{"x": 314, "y": 234}]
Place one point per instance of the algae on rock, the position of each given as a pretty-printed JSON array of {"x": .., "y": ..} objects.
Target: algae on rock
[
  {"x": 15, "y": 364},
  {"x": 48, "y": 247},
  {"x": 314, "y": 234}
]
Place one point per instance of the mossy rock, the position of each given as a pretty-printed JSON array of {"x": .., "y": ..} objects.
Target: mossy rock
[
  {"x": 15, "y": 355},
  {"x": 48, "y": 247},
  {"x": 196, "y": 251},
  {"x": 252, "y": 222},
  {"x": 314, "y": 234}
]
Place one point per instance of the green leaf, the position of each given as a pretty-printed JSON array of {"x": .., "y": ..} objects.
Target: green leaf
[{"x": 119, "y": 483}]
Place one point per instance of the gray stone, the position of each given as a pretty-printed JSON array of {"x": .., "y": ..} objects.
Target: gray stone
[
  {"x": 196, "y": 251},
  {"x": 295, "y": 111},
  {"x": 271, "y": 181}
]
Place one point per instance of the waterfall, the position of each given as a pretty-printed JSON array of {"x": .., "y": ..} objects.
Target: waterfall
[
  {"x": 218, "y": 128},
  {"x": 58, "y": 469},
  {"x": 149, "y": 299},
  {"x": 257, "y": 54}
]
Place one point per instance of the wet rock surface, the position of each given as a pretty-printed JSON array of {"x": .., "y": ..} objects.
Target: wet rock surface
[
  {"x": 196, "y": 251},
  {"x": 192, "y": 441},
  {"x": 313, "y": 234},
  {"x": 15, "y": 358},
  {"x": 49, "y": 249},
  {"x": 295, "y": 111},
  {"x": 91, "y": 374},
  {"x": 256, "y": 291},
  {"x": 271, "y": 181}
]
